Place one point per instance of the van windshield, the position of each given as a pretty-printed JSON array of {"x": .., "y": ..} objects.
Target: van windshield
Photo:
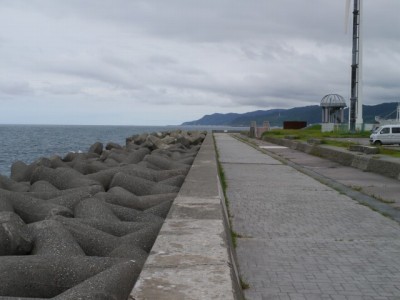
[{"x": 376, "y": 130}]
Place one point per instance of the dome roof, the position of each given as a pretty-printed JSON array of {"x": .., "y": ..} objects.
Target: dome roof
[{"x": 333, "y": 100}]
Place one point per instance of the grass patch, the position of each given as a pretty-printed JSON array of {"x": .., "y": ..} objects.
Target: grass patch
[
  {"x": 327, "y": 138},
  {"x": 314, "y": 132},
  {"x": 224, "y": 184},
  {"x": 356, "y": 188},
  {"x": 244, "y": 284},
  {"x": 382, "y": 199},
  {"x": 390, "y": 152}
]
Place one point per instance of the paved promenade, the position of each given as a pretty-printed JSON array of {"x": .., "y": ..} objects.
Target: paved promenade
[{"x": 302, "y": 239}]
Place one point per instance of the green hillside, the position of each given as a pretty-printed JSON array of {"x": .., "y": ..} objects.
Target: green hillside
[{"x": 276, "y": 117}]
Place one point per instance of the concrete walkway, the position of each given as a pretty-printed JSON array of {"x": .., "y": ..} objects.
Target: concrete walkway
[
  {"x": 372, "y": 184},
  {"x": 302, "y": 239}
]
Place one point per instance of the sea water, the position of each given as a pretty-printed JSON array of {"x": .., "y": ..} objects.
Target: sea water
[{"x": 27, "y": 143}]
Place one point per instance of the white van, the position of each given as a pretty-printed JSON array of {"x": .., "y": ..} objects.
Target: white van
[{"x": 386, "y": 135}]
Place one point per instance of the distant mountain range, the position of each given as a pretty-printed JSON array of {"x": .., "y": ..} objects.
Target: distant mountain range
[{"x": 310, "y": 114}]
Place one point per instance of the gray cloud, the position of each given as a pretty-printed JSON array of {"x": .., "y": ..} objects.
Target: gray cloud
[
  {"x": 180, "y": 59},
  {"x": 15, "y": 88}
]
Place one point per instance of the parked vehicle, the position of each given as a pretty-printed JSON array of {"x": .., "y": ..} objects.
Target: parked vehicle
[{"x": 386, "y": 135}]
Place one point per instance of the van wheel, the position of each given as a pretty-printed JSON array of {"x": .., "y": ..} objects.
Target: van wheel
[{"x": 378, "y": 143}]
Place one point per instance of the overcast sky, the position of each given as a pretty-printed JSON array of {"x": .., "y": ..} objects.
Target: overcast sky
[{"x": 158, "y": 62}]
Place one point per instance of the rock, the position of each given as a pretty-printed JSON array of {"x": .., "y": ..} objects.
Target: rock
[
  {"x": 91, "y": 189},
  {"x": 57, "y": 162},
  {"x": 164, "y": 163},
  {"x": 31, "y": 209},
  {"x": 156, "y": 142},
  {"x": 168, "y": 140},
  {"x": 5, "y": 205},
  {"x": 132, "y": 252},
  {"x": 175, "y": 181},
  {"x": 152, "y": 200},
  {"x": 136, "y": 156},
  {"x": 119, "y": 196},
  {"x": 12, "y": 185},
  {"x": 113, "y": 283},
  {"x": 140, "y": 186},
  {"x": 61, "y": 178},
  {"x": 115, "y": 228},
  {"x": 96, "y": 148},
  {"x": 112, "y": 145},
  {"x": 93, "y": 208},
  {"x": 133, "y": 215},
  {"x": 117, "y": 156},
  {"x": 161, "y": 210},
  {"x": 19, "y": 171},
  {"x": 70, "y": 200},
  {"x": 14, "y": 236},
  {"x": 143, "y": 238},
  {"x": 42, "y": 186},
  {"x": 39, "y": 276},
  {"x": 92, "y": 241},
  {"x": 51, "y": 238}
]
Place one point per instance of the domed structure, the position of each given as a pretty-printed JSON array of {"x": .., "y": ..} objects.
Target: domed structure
[
  {"x": 333, "y": 100},
  {"x": 333, "y": 109}
]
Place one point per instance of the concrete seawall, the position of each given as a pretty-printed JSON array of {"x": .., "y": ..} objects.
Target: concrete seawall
[
  {"x": 191, "y": 256},
  {"x": 380, "y": 164}
]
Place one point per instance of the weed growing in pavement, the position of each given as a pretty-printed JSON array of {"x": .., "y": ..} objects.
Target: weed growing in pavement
[
  {"x": 381, "y": 199},
  {"x": 224, "y": 184},
  {"x": 356, "y": 188},
  {"x": 244, "y": 284}
]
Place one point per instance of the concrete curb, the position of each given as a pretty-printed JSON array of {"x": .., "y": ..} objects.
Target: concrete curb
[
  {"x": 380, "y": 164},
  {"x": 190, "y": 258}
]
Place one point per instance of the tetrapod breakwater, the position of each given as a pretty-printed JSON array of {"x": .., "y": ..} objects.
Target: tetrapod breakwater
[{"x": 81, "y": 226}]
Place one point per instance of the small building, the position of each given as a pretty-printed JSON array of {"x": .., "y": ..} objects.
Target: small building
[
  {"x": 256, "y": 132},
  {"x": 332, "y": 111},
  {"x": 294, "y": 124}
]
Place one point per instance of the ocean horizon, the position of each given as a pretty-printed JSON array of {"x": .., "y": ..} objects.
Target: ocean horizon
[{"x": 29, "y": 142}]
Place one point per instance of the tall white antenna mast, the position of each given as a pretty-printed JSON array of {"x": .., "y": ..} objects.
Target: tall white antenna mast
[{"x": 355, "y": 116}]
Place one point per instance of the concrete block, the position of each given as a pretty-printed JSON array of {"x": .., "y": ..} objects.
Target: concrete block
[
  {"x": 93, "y": 208},
  {"x": 140, "y": 186},
  {"x": 184, "y": 283},
  {"x": 385, "y": 167},
  {"x": 360, "y": 162},
  {"x": 47, "y": 276},
  {"x": 14, "y": 236},
  {"x": 371, "y": 150},
  {"x": 358, "y": 148},
  {"x": 32, "y": 210},
  {"x": 61, "y": 178},
  {"x": 50, "y": 238}
]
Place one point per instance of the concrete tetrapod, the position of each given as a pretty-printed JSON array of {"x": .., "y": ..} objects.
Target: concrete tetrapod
[
  {"x": 42, "y": 186},
  {"x": 133, "y": 215},
  {"x": 52, "y": 239},
  {"x": 61, "y": 178},
  {"x": 14, "y": 235},
  {"x": 119, "y": 196},
  {"x": 113, "y": 283},
  {"x": 11, "y": 185},
  {"x": 140, "y": 186},
  {"x": 94, "y": 208},
  {"x": 87, "y": 236},
  {"x": 119, "y": 229},
  {"x": 31, "y": 209},
  {"x": 47, "y": 276}
]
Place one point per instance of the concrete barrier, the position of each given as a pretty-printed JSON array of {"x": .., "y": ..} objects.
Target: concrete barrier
[
  {"x": 190, "y": 258},
  {"x": 366, "y": 161}
]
